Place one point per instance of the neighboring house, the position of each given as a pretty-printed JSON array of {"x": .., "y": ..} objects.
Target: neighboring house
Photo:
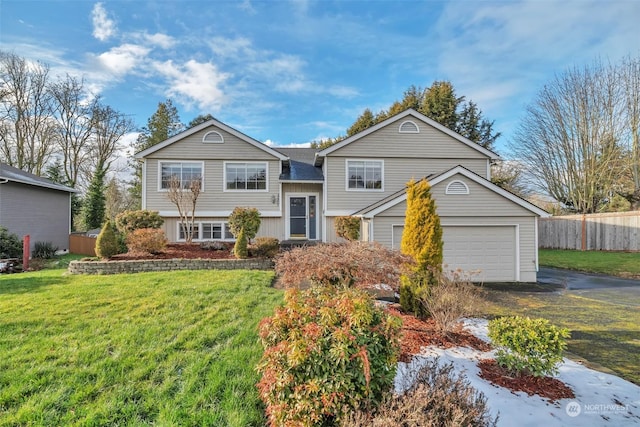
[
  {"x": 34, "y": 206},
  {"x": 300, "y": 191}
]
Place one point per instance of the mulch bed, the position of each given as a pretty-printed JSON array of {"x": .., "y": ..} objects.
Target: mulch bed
[
  {"x": 181, "y": 250},
  {"x": 547, "y": 387},
  {"x": 418, "y": 333}
]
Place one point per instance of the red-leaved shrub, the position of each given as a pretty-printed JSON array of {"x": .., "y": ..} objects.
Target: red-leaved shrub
[
  {"x": 352, "y": 264},
  {"x": 327, "y": 352},
  {"x": 146, "y": 241}
]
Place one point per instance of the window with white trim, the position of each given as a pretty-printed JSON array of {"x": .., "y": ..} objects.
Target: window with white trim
[
  {"x": 185, "y": 172},
  {"x": 408, "y": 126},
  {"x": 457, "y": 187},
  {"x": 364, "y": 174},
  {"x": 213, "y": 230},
  {"x": 245, "y": 176},
  {"x": 213, "y": 137}
]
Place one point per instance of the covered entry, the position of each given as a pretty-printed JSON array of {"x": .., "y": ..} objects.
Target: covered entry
[{"x": 301, "y": 217}]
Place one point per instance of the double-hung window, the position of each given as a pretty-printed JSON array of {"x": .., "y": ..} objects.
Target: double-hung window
[
  {"x": 184, "y": 172},
  {"x": 364, "y": 174},
  {"x": 245, "y": 176}
]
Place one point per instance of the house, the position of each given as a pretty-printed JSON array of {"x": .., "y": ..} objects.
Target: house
[
  {"x": 299, "y": 192},
  {"x": 34, "y": 206}
]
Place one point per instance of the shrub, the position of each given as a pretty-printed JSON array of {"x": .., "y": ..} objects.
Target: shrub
[
  {"x": 244, "y": 218},
  {"x": 10, "y": 244},
  {"x": 348, "y": 227},
  {"x": 215, "y": 246},
  {"x": 358, "y": 264},
  {"x": 240, "y": 249},
  {"x": 438, "y": 397},
  {"x": 422, "y": 240},
  {"x": 44, "y": 250},
  {"x": 128, "y": 221},
  {"x": 528, "y": 346},
  {"x": 107, "y": 242},
  {"x": 146, "y": 240},
  {"x": 265, "y": 247},
  {"x": 454, "y": 297},
  {"x": 326, "y": 352}
]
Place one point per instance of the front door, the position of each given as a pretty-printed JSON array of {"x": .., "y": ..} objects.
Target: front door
[{"x": 302, "y": 217}]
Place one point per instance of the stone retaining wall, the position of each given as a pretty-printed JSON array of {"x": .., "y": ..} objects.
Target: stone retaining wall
[{"x": 115, "y": 267}]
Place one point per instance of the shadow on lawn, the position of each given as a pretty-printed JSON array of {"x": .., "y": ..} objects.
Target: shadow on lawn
[{"x": 22, "y": 283}]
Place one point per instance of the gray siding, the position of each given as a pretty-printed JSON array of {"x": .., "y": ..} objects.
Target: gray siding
[
  {"x": 41, "y": 213},
  {"x": 397, "y": 172},
  {"x": 430, "y": 143},
  {"x": 479, "y": 202},
  {"x": 214, "y": 198}
]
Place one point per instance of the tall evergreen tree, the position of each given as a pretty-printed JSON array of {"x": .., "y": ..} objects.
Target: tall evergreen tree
[
  {"x": 94, "y": 205},
  {"x": 202, "y": 118},
  {"x": 365, "y": 121},
  {"x": 162, "y": 125},
  {"x": 440, "y": 103},
  {"x": 422, "y": 240}
]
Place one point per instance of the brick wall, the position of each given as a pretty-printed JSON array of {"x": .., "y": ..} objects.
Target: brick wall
[{"x": 115, "y": 267}]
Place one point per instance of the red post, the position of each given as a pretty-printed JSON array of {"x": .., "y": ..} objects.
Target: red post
[{"x": 26, "y": 245}]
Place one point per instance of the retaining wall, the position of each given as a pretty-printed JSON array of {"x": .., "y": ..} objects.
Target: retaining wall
[{"x": 115, "y": 267}]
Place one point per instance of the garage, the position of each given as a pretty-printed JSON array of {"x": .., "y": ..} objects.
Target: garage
[{"x": 491, "y": 250}]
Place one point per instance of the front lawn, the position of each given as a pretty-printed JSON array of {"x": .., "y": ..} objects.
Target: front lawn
[
  {"x": 624, "y": 264},
  {"x": 171, "y": 348},
  {"x": 602, "y": 332}
]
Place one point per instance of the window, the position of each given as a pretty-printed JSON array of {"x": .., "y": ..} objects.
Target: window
[
  {"x": 213, "y": 137},
  {"x": 218, "y": 230},
  {"x": 245, "y": 176},
  {"x": 364, "y": 174},
  {"x": 185, "y": 172},
  {"x": 409, "y": 127},
  {"x": 457, "y": 187}
]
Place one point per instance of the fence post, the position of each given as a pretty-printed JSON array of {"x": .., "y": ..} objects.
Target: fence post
[
  {"x": 584, "y": 232},
  {"x": 26, "y": 246}
]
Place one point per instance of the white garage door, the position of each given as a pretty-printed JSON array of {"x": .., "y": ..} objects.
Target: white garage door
[{"x": 492, "y": 250}]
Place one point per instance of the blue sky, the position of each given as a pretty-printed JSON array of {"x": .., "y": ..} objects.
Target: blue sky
[{"x": 290, "y": 72}]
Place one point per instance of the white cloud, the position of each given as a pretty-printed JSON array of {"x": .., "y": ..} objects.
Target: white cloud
[
  {"x": 122, "y": 59},
  {"x": 158, "y": 39},
  {"x": 195, "y": 82},
  {"x": 232, "y": 48},
  {"x": 248, "y": 7},
  {"x": 103, "y": 26}
]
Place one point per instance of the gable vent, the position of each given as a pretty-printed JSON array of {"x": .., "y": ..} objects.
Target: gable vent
[
  {"x": 213, "y": 137},
  {"x": 409, "y": 127},
  {"x": 457, "y": 187}
]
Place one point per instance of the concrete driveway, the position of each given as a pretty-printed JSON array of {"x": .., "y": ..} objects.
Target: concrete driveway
[{"x": 614, "y": 290}]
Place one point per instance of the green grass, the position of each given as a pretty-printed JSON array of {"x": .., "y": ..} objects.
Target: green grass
[
  {"x": 624, "y": 264},
  {"x": 174, "y": 348},
  {"x": 602, "y": 332}
]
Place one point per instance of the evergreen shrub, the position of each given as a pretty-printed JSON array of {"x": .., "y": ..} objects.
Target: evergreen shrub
[
  {"x": 326, "y": 353},
  {"x": 128, "y": 221},
  {"x": 528, "y": 346},
  {"x": 107, "y": 241},
  {"x": 10, "y": 244}
]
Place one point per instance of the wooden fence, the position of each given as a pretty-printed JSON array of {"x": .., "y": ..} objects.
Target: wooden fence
[
  {"x": 82, "y": 245},
  {"x": 594, "y": 232}
]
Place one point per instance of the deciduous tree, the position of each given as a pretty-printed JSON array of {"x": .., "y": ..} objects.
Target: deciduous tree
[{"x": 570, "y": 137}]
